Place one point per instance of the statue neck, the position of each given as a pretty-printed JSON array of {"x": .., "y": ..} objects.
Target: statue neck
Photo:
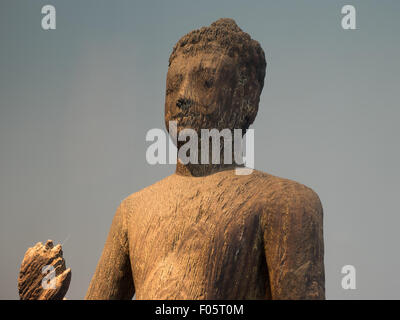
[
  {"x": 229, "y": 148},
  {"x": 199, "y": 169}
]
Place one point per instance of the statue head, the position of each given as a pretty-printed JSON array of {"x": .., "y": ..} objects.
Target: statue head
[{"x": 215, "y": 78}]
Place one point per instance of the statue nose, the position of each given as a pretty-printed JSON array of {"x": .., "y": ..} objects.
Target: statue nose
[{"x": 183, "y": 103}]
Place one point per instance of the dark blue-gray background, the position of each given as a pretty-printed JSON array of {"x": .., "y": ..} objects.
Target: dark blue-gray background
[{"x": 76, "y": 103}]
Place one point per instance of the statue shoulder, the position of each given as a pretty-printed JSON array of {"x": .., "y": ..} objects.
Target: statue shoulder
[
  {"x": 137, "y": 201},
  {"x": 277, "y": 194}
]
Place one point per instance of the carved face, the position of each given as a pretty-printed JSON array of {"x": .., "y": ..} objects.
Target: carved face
[{"x": 206, "y": 91}]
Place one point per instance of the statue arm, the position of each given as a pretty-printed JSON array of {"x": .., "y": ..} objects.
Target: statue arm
[
  {"x": 294, "y": 245},
  {"x": 113, "y": 276}
]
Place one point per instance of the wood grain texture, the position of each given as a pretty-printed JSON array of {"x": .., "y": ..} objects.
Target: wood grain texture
[
  {"x": 31, "y": 273},
  {"x": 204, "y": 232},
  {"x": 221, "y": 236}
]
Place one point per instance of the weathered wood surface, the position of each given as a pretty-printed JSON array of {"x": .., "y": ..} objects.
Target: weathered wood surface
[
  {"x": 31, "y": 276},
  {"x": 204, "y": 232},
  {"x": 216, "y": 237}
]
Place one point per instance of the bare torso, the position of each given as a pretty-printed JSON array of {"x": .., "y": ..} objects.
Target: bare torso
[
  {"x": 204, "y": 237},
  {"x": 197, "y": 238}
]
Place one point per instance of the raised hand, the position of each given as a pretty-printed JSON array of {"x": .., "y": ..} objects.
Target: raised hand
[{"x": 43, "y": 275}]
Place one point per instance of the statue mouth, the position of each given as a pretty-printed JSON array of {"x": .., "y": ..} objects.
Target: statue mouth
[
  {"x": 186, "y": 119},
  {"x": 187, "y": 113}
]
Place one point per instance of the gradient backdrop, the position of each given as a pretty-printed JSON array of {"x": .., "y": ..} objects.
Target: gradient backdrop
[{"x": 76, "y": 103}]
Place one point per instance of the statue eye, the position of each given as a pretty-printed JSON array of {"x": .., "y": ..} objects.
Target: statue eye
[{"x": 209, "y": 83}]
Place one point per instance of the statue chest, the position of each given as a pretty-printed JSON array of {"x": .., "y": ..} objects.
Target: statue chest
[{"x": 199, "y": 249}]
